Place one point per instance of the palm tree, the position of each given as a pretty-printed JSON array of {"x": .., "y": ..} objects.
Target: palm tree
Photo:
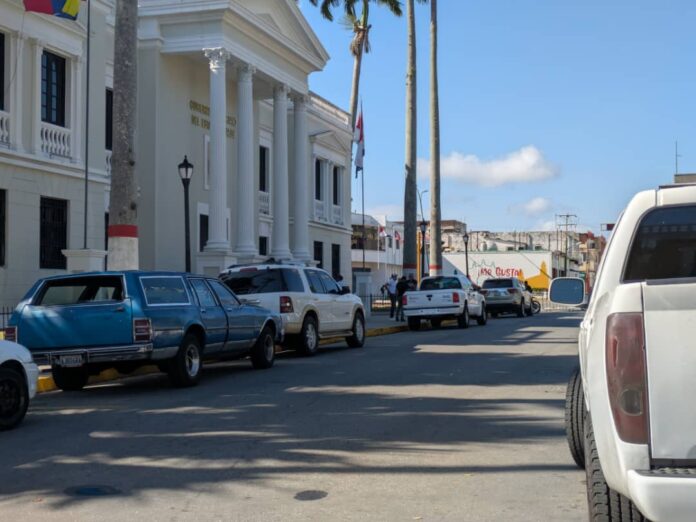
[
  {"x": 435, "y": 215},
  {"x": 360, "y": 43},
  {"x": 123, "y": 231}
]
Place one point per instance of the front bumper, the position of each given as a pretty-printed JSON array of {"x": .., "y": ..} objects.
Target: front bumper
[
  {"x": 108, "y": 354},
  {"x": 443, "y": 311},
  {"x": 32, "y": 372},
  {"x": 664, "y": 495}
]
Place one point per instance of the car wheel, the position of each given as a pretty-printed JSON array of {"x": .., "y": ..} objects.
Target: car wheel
[
  {"x": 14, "y": 398},
  {"x": 185, "y": 368},
  {"x": 70, "y": 379},
  {"x": 463, "y": 320},
  {"x": 436, "y": 323},
  {"x": 536, "y": 306},
  {"x": 575, "y": 418},
  {"x": 263, "y": 352},
  {"x": 483, "y": 318},
  {"x": 357, "y": 340},
  {"x": 414, "y": 323},
  {"x": 309, "y": 336},
  {"x": 603, "y": 503},
  {"x": 521, "y": 309}
]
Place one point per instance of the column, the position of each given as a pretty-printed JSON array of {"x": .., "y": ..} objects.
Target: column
[
  {"x": 36, "y": 98},
  {"x": 246, "y": 244},
  {"x": 281, "y": 212},
  {"x": 217, "y": 220},
  {"x": 16, "y": 109},
  {"x": 301, "y": 181},
  {"x": 77, "y": 119}
]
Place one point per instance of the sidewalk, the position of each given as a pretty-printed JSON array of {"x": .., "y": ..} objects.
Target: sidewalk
[{"x": 379, "y": 321}]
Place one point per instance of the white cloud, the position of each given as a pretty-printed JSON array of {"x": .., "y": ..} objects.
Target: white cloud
[
  {"x": 534, "y": 207},
  {"x": 393, "y": 212},
  {"x": 525, "y": 165}
]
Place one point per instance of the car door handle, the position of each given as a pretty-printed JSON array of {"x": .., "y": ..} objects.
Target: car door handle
[
  {"x": 204, "y": 311},
  {"x": 120, "y": 309}
]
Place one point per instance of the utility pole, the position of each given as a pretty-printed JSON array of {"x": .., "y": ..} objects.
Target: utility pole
[
  {"x": 568, "y": 220},
  {"x": 676, "y": 157}
]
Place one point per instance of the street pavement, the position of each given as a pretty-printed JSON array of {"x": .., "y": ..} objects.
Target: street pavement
[{"x": 457, "y": 425}]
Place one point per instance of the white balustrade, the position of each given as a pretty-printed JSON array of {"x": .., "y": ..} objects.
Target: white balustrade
[
  {"x": 55, "y": 141},
  {"x": 4, "y": 127},
  {"x": 319, "y": 210},
  {"x": 337, "y": 215},
  {"x": 108, "y": 163},
  {"x": 264, "y": 203}
]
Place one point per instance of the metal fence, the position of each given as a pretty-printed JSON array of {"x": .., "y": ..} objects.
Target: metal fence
[
  {"x": 376, "y": 302},
  {"x": 5, "y": 313}
]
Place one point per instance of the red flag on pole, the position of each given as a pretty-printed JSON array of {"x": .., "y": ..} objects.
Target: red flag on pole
[{"x": 359, "y": 138}]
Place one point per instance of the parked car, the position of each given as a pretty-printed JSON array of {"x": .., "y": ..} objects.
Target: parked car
[
  {"x": 507, "y": 295},
  {"x": 444, "y": 297},
  {"x": 313, "y": 306},
  {"x": 82, "y": 324},
  {"x": 629, "y": 411},
  {"x": 18, "y": 377}
]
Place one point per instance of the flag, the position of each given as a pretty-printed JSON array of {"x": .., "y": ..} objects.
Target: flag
[
  {"x": 62, "y": 8},
  {"x": 359, "y": 138}
]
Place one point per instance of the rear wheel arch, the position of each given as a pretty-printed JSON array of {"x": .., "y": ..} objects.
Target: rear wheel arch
[
  {"x": 311, "y": 313},
  {"x": 198, "y": 331}
]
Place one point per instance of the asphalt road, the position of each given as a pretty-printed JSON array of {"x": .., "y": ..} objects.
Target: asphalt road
[{"x": 460, "y": 425}]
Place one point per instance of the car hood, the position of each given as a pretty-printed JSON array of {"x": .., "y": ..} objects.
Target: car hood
[{"x": 13, "y": 351}]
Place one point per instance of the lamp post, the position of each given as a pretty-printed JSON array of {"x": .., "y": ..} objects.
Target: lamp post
[
  {"x": 423, "y": 226},
  {"x": 185, "y": 173},
  {"x": 466, "y": 252}
]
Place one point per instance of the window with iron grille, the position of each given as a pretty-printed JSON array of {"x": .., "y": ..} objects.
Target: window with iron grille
[
  {"x": 317, "y": 180},
  {"x": 53, "y": 233},
  {"x": 3, "y": 225},
  {"x": 2, "y": 72},
  {"x": 263, "y": 168},
  {"x": 335, "y": 260},
  {"x": 319, "y": 253},
  {"x": 263, "y": 245},
  {"x": 202, "y": 231},
  {"x": 109, "y": 119},
  {"x": 53, "y": 89},
  {"x": 337, "y": 185}
]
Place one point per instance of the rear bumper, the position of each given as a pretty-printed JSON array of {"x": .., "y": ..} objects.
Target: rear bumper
[
  {"x": 136, "y": 352},
  {"x": 441, "y": 312},
  {"x": 668, "y": 494},
  {"x": 502, "y": 306}
]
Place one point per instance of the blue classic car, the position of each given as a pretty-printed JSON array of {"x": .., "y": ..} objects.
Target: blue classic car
[{"x": 84, "y": 323}]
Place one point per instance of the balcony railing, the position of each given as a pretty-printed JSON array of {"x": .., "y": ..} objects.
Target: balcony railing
[
  {"x": 108, "y": 163},
  {"x": 337, "y": 215},
  {"x": 264, "y": 203},
  {"x": 319, "y": 210},
  {"x": 4, "y": 128},
  {"x": 55, "y": 141}
]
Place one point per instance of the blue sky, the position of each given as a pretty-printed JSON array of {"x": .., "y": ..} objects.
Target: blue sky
[{"x": 546, "y": 106}]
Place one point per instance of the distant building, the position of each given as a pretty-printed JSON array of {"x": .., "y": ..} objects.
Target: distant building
[{"x": 383, "y": 247}]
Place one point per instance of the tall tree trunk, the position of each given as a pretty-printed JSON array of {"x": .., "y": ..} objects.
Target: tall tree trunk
[
  {"x": 123, "y": 230},
  {"x": 435, "y": 215},
  {"x": 410, "y": 188},
  {"x": 355, "y": 89}
]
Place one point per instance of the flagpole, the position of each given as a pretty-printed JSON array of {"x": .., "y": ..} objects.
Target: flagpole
[
  {"x": 89, "y": 39},
  {"x": 362, "y": 178}
]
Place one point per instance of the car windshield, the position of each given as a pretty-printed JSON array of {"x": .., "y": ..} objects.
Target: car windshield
[
  {"x": 441, "y": 283},
  {"x": 263, "y": 281},
  {"x": 498, "y": 283}
]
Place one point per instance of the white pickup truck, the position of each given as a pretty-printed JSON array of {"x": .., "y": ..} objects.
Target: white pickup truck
[
  {"x": 629, "y": 409},
  {"x": 444, "y": 297}
]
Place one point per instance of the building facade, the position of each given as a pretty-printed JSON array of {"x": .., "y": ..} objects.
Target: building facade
[
  {"x": 383, "y": 248},
  {"x": 224, "y": 84}
]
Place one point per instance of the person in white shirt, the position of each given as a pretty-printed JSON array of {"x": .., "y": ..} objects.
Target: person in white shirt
[{"x": 391, "y": 289}]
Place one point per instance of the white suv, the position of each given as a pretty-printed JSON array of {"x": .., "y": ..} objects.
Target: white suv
[
  {"x": 629, "y": 410},
  {"x": 313, "y": 306}
]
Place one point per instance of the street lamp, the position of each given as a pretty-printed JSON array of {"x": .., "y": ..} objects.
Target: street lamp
[
  {"x": 185, "y": 173},
  {"x": 423, "y": 226},
  {"x": 466, "y": 251}
]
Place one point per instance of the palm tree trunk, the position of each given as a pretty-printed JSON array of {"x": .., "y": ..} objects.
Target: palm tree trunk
[
  {"x": 435, "y": 215},
  {"x": 123, "y": 230},
  {"x": 410, "y": 188},
  {"x": 355, "y": 89}
]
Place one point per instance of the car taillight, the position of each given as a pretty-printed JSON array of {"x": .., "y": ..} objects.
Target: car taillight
[
  {"x": 142, "y": 330},
  {"x": 626, "y": 376},
  {"x": 455, "y": 297},
  {"x": 513, "y": 291},
  {"x": 404, "y": 300},
  {"x": 286, "y": 305},
  {"x": 11, "y": 334}
]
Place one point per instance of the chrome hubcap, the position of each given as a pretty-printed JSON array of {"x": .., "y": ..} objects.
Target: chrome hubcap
[
  {"x": 311, "y": 336},
  {"x": 193, "y": 361}
]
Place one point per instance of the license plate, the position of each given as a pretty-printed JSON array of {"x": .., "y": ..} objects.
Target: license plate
[{"x": 70, "y": 360}]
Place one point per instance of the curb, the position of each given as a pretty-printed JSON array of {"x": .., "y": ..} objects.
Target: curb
[{"x": 46, "y": 384}]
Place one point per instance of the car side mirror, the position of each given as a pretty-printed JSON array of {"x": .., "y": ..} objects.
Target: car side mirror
[
  {"x": 345, "y": 290},
  {"x": 567, "y": 291}
]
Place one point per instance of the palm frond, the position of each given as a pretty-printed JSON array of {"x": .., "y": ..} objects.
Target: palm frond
[{"x": 393, "y": 5}]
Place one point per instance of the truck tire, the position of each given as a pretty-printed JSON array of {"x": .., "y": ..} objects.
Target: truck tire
[
  {"x": 185, "y": 368},
  {"x": 263, "y": 351},
  {"x": 575, "y": 418},
  {"x": 414, "y": 323},
  {"x": 357, "y": 340},
  {"x": 603, "y": 503},
  {"x": 463, "y": 320},
  {"x": 70, "y": 379},
  {"x": 436, "y": 323},
  {"x": 14, "y": 398},
  {"x": 483, "y": 318},
  {"x": 308, "y": 341}
]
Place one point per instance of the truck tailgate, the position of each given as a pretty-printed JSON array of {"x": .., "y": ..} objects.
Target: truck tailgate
[
  {"x": 670, "y": 345},
  {"x": 430, "y": 299}
]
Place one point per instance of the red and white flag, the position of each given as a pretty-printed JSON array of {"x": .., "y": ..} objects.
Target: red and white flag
[{"x": 359, "y": 139}]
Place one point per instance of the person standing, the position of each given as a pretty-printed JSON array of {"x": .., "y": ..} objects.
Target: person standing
[
  {"x": 412, "y": 283},
  {"x": 391, "y": 289},
  {"x": 401, "y": 288}
]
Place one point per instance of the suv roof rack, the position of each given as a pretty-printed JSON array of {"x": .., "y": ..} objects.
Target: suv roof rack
[{"x": 270, "y": 261}]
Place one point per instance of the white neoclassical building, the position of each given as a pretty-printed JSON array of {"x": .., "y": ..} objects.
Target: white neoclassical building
[{"x": 224, "y": 83}]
